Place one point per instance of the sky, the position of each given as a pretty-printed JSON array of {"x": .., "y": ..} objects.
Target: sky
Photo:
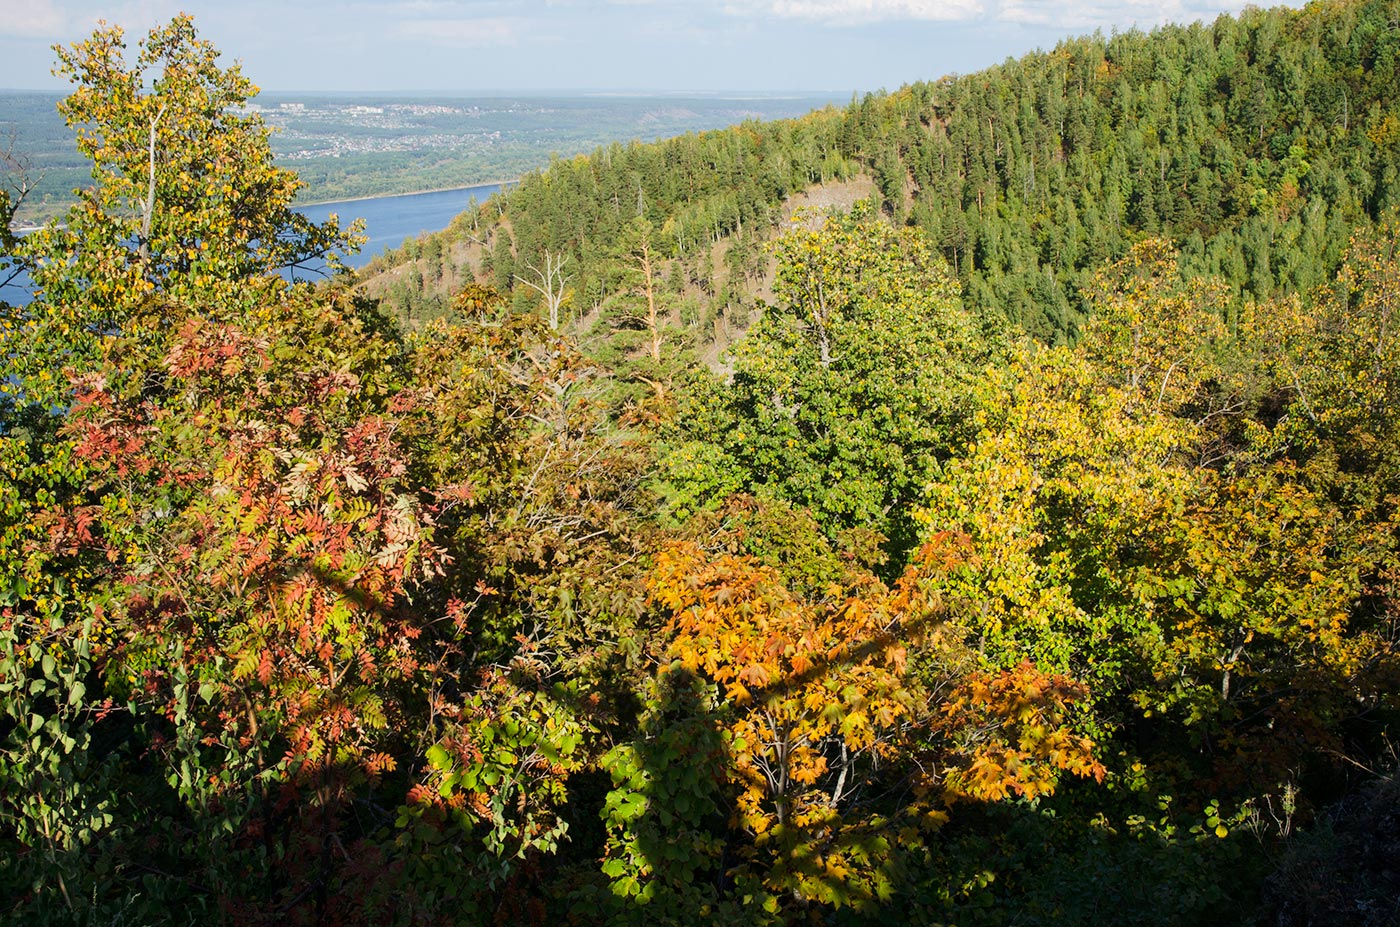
[{"x": 829, "y": 46}]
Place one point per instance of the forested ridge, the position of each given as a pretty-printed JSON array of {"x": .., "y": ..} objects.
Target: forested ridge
[
  {"x": 1256, "y": 143},
  {"x": 1016, "y": 545}
]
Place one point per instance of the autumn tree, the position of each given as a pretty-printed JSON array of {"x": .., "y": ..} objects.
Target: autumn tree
[
  {"x": 842, "y": 756},
  {"x": 1188, "y": 588},
  {"x": 1066, "y": 485},
  {"x": 849, "y": 389},
  {"x": 1155, "y": 334},
  {"x": 542, "y": 496},
  {"x": 186, "y": 202},
  {"x": 206, "y": 529}
]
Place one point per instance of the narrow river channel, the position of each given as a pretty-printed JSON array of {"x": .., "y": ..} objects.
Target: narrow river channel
[{"x": 389, "y": 222}]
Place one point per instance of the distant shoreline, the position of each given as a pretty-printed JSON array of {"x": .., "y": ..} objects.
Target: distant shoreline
[
  {"x": 386, "y": 196},
  {"x": 25, "y": 228}
]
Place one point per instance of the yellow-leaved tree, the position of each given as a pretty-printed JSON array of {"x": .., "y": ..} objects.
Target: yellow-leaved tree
[{"x": 850, "y": 719}]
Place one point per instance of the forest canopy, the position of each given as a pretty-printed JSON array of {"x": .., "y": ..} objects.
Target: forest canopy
[{"x": 934, "y": 590}]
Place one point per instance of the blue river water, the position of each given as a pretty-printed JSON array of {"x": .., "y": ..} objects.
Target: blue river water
[
  {"x": 392, "y": 220},
  {"x": 389, "y": 222}
]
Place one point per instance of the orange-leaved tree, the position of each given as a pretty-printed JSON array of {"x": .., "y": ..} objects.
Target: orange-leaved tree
[{"x": 852, "y": 717}]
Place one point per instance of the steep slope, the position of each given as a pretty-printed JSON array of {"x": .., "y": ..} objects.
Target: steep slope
[{"x": 1258, "y": 143}]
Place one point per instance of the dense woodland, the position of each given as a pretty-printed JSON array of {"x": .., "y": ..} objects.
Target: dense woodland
[
  {"x": 1256, "y": 144},
  {"x": 1018, "y": 545}
]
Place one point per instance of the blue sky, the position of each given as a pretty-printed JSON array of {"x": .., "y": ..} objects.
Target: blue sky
[{"x": 839, "y": 46}]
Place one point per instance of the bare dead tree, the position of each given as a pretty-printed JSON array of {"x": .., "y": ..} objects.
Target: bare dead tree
[
  {"x": 550, "y": 285},
  {"x": 18, "y": 179}
]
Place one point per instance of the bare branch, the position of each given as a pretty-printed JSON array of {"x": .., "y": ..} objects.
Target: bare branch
[
  {"x": 18, "y": 178},
  {"x": 551, "y": 285}
]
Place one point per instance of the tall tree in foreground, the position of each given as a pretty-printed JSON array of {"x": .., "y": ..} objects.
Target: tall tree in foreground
[
  {"x": 204, "y": 535},
  {"x": 185, "y": 202}
]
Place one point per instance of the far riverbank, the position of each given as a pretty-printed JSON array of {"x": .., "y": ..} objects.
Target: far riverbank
[
  {"x": 392, "y": 220},
  {"x": 498, "y": 184},
  {"x": 24, "y": 228},
  {"x": 389, "y": 222}
]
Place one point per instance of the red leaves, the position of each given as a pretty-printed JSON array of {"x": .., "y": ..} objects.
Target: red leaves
[
  {"x": 464, "y": 492},
  {"x": 459, "y": 613},
  {"x": 274, "y": 534},
  {"x": 264, "y": 671},
  {"x": 754, "y": 676},
  {"x": 69, "y": 531},
  {"x": 202, "y": 348},
  {"x": 113, "y": 444}
]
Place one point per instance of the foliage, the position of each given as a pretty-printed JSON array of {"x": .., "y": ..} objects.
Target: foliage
[
  {"x": 186, "y": 203},
  {"x": 841, "y": 757},
  {"x": 539, "y": 494},
  {"x": 224, "y": 597},
  {"x": 664, "y": 812},
  {"x": 308, "y": 619},
  {"x": 1224, "y": 595},
  {"x": 1251, "y": 140},
  {"x": 845, "y": 394},
  {"x": 1259, "y": 143}
]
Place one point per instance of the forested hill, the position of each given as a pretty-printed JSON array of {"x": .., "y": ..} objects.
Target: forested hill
[
  {"x": 1257, "y": 143},
  {"x": 520, "y": 615}
]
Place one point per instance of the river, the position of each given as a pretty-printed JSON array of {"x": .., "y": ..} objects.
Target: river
[
  {"x": 392, "y": 220},
  {"x": 389, "y": 222}
]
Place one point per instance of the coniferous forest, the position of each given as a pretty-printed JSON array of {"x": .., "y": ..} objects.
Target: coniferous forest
[{"x": 979, "y": 505}]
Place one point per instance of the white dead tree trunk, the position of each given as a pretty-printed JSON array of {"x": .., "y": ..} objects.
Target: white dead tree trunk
[
  {"x": 550, "y": 285},
  {"x": 148, "y": 206}
]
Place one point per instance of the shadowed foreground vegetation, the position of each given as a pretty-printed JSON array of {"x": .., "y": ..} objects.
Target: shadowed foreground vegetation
[{"x": 950, "y": 598}]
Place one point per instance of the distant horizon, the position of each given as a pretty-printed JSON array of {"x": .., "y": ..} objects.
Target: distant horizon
[
  {"x": 732, "y": 93},
  {"x": 639, "y": 47}
]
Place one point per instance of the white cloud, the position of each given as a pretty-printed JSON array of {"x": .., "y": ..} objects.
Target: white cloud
[
  {"x": 862, "y": 11},
  {"x": 32, "y": 19},
  {"x": 464, "y": 33},
  {"x": 444, "y": 8},
  {"x": 1103, "y": 14}
]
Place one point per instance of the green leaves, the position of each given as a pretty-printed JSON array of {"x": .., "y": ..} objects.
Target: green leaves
[
  {"x": 186, "y": 205},
  {"x": 664, "y": 829},
  {"x": 849, "y": 389},
  {"x": 315, "y": 613}
]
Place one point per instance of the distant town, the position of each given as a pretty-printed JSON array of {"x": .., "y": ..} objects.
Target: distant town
[
  {"x": 311, "y": 131},
  {"x": 347, "y": 147}
]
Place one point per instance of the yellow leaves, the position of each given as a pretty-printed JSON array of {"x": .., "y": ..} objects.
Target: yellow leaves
[
  {"x": 810, "y": 772},
  {"x": 1153, "y": 331},
  {"x": 1013, "y": 736},
  {"x": 822, "y": 705},
  {"x": 1386, "y": 132},
  {"x": 669, "y": 586},
  {"x": 801, "y": 663},
  {"x": 799, "y": 670}
]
